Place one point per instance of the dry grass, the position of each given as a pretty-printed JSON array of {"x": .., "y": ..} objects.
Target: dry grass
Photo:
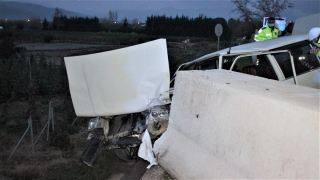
[{"x": 48, "y": 161}]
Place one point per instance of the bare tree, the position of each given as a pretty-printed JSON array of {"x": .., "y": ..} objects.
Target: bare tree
[
  {"x": 57, "y": 12},
  {"x": 257, "y": 9},
  {"x": 113, "y": 16}
]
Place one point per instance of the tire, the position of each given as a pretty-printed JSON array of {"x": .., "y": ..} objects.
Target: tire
[{"x": 127, "y": 154}]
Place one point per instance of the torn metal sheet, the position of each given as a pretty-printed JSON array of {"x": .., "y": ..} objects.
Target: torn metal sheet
[{"x": 121, "y": 81}]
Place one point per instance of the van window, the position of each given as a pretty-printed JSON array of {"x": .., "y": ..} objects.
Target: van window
[
  {"x": 188, "y": 67},
  {"x": 284, "y": 62},
  {"x": 257, "y": 65},
  {"x": 208, "y": 64},
  {"x": 227, "y": 62},
  {"x": 303, "y": 60}
]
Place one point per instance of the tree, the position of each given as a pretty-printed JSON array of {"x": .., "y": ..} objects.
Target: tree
[
  {"x": 256, "y": 10},
  {"x": 242, "y": 28},
  {"x": 125, "y": 23},
  {"x": 57, "y": 16},
  {"x": 135, "y": 21},
  {"x": 6, "y": 46},
  {"x": 34, "y": 23},
  {"x": 113, "y": 16},
  {"x": 45, "y": 24}
]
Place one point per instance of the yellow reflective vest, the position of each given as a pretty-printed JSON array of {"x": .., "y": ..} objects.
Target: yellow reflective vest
[{"x": 266, "y": 33}]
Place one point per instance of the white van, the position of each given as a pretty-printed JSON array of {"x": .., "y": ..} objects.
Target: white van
[{"x": 285, "y": 58}]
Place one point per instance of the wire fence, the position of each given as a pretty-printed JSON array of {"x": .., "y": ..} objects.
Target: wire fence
[{"x": 30, "y": 128}]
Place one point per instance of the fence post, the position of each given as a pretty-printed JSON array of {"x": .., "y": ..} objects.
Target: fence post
[
  {"x": 31, "y": 131},
  {"x": 49, "y": 121},
  {"x": 74, "y": 121},
  {"x": 19, "y": 141},
  {"x": 41, "y": 133},
  {"x": 30, "y": 70},
  {"x": 52, "y": 120}
]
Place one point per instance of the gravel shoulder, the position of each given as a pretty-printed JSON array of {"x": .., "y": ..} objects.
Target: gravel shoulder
[{"x": 156, "y": 173}]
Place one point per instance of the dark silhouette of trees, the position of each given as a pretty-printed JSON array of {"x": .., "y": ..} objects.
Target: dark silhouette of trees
[
  {"x": 45, "y": 24},
  {"x": 242, "y": 29},
  {"x": 63, "y": 23},
  {"x": 125, "y": 25},
  {"x": 6, "y": 44},
  {"x": 184, "y": 26},
  {"x": 256, "y": 10},
  {"x": 57, "y": 17}
]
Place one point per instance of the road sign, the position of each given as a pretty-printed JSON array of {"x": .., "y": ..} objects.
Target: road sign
[{"x": 218, "y": 30}]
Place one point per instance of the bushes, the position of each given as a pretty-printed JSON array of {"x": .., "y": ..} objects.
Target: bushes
[{"x": 47, "y": 38}]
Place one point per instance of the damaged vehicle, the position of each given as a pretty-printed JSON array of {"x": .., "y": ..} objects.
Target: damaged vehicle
[
  {"x": 125, "y": 92},
  {"x": 286, "y": 59}
]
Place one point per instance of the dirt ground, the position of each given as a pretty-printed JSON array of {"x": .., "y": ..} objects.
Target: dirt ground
[
  {"x": 156, "y": 173},
  {"x": 138, "y": 171},
  {"x": 58, "y": 157}
]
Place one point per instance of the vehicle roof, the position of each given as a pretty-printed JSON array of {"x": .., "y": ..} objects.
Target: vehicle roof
[{"x": 259, "y": 46}]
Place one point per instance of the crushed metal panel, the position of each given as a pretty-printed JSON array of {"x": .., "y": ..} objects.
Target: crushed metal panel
[{"x": 120, "y": 81}]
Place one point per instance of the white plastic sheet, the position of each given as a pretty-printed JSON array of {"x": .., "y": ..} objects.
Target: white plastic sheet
[
  {"x": 145, "y": 150},
  {"x": 119, "y": 81}
]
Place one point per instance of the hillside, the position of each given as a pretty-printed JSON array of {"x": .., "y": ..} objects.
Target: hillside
[{"x": 22, "y": 11}]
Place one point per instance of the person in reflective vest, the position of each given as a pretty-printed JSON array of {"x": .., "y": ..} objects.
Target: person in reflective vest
[
  {"x": 314, "y": 37},
  {"x": 269, "y": 31}
]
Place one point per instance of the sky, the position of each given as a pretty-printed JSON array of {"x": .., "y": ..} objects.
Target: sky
[{"x": 140, "y": 9}]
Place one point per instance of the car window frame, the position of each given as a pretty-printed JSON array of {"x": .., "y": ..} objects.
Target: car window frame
[{"x": 267, "y": 54}]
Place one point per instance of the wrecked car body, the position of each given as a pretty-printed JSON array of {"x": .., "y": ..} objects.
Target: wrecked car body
[
  {"x": 286, "y": 59},
  {"x": 125, "y": 92}
]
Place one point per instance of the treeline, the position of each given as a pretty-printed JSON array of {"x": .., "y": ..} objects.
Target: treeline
[
  {"x": 185, "y": 26},
  {"x": 201, "y": 26},
  {"x": 86, "y": 24}
]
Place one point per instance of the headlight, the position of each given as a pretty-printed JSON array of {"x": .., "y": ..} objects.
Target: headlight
[
  {"x": 159, "y": 112},
  {"x": 92, "y": 123}
]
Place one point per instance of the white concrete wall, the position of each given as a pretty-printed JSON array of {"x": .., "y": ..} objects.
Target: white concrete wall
[{"x": 230, "y": 125}]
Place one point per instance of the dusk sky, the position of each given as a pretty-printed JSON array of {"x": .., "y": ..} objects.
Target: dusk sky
[{"x": 192, "y": 8}]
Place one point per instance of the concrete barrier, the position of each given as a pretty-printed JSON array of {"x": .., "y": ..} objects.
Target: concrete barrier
[{"x": 230, "y": 125}]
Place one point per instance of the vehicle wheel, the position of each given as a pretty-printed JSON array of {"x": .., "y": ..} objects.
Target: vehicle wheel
[{"x": 127, "y": 154}]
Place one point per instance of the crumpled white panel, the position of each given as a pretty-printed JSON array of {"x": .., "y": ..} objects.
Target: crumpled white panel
[{"x": 119, "y": 81}]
